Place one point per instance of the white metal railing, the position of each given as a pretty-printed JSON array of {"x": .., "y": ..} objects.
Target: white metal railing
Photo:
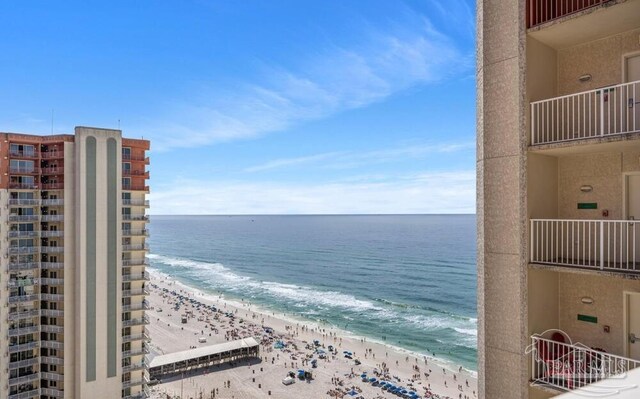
[
  {"x": 612, "y": 245},
  {"x": 572, "y": 366},
  {"x": 595, "y": 113}
]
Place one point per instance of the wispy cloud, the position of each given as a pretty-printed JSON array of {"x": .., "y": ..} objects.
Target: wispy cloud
[
  {"x": 351, "y": 159},
  {"x": 329, "y": 80},
  {"x": 285, "y": 162},
  {"x": 443, "y": 192}
]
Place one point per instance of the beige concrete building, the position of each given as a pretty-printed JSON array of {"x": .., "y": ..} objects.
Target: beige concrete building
[
  {"x": 72, "y": 265},
  {"x": 558, "y": 163}
]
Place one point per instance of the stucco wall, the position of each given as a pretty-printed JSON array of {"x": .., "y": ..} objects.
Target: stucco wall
[
  {"x": 607, "y": 294},
  {"x": 601, "y": 58},
  {"x": 601, "y": 171}
]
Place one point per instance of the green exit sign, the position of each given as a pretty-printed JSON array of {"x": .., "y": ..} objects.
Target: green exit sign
[
  {"x": 588, "y": 319},
  {"x": 587, "y": 205}
]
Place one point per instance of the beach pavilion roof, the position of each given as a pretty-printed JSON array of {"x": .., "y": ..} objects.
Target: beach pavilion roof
[{"x": 205, "y": 351}]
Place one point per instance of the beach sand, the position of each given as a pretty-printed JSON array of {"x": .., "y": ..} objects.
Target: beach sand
[{"x": 262, "y": 378}]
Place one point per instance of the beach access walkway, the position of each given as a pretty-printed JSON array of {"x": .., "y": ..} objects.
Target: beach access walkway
[{"x": 206, "y": 356}]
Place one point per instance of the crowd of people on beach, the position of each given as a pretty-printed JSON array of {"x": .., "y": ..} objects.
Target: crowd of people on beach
[{"x": 291, "y": 349}]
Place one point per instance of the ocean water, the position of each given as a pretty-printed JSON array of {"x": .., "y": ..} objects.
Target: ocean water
[{"x": 408, "y": 281}]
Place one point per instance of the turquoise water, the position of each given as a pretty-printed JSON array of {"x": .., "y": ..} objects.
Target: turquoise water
[{"x": 408, "y": 281}]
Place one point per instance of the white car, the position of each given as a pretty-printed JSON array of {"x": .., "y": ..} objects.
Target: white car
[{"x": 289, "y": 381}]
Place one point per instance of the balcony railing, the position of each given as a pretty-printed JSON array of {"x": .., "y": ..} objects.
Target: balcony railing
[
  {"x": 23, "y": 154},
  {"x": 542, "y": 11},
  {"x": 52, "y": 171},
  {"x": 610, "y": 245},
  {"x": 137, "y": 158},
  {"x": 135, "y": 247},
  {"x": 24, "y": 218},
  {"x": 135, "y": 217},
  {"x": 52, "y": 155},
  {"x": 135, "y": 187},
  {"x": 23, "y": 186},
  {"x": 136, "y": 322},
  {"x": 135, "y": 202},
  {"x": 52, "y": 186},
  {"x": 135, "y": 277},
  {"x": 572, "y": 366},
  {"x": 23, "y": 170},
  {"x": 51, "y": 202},
  {"x": 23, "y": 250},
  {"x": 603, "y": 112},
  {"x": 135, "y": 262},
  {"x": 52, "y": 218},
  {"x": 137, "y": 232},
  {"x": 24, "y": 201}
]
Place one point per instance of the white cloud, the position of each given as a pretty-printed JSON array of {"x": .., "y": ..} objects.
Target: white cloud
[
  {"x": 442, "y": 192},
  {"x": 351, "y": 159},
  {"x": 330, "y": 80}
]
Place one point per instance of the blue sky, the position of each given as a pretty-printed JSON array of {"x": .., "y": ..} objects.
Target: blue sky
[{"x": 256, "y": 106}]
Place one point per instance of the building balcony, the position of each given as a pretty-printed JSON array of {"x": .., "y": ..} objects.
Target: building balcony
[
  {"x": 24, "y": 154},
  {"x": 23, "y": 298},
  {"x": 587, "y": 116},
  {"x": 135, "y": 277},
  {"x": 136, "y": 337},
  {"x": 51, "y": 250},
  {"x": 23, "y": 186},
  {"x": 23, "y": 171},
  {"x": 135, "y": 262},
  {"x": 24, "y": 347},
  {"x": 50, "y": 281},
  {"x": 135, "y": 292},
  {"x": 51, "y": 344},
  {"x": 24, "y": 363},
  {"x": 52, "y": 265},
  {"x": 135, "y": 217},
  {"x": 134, "y": 367},
  {"x": 51, "y": 233},
  {"x": 135, "y": 233},
  {"x": 23, "y": 234},
  {"x": 25, "y": 379},
  {"x": 23, "y": 218},
  {"x": 52, "y": 171},
  {"x": 141, "y": 173},
  {"x": 52, "y": 218},
  {"x": 52, "y": 155},
  {"x": 144, "y": 305},
  {"x": 16, "y": 332},
  {"x": 603, "y": 245},
  {"x": 136, "y": 158},
  {"x": 540, "y": 12},
  {"x": 24, "y": 201},
  {"x": 14, "y": 250},
  {"x": 52, "y": 186},
  {"x": 52, "y": 393},
  {"x": 135, "y": 382},
  {"x": 566, "y": 367},
  {"x": 48, "y": 328},
  {"x": 52, "y": 297},
  {"x": 24, "y": 314},
  {"x": 135, "y": 247},
  {"x": 56, "y": 361},
  {"x": 13, "y": 266},
  {"x": 52, "y": 202},
  {"x": 136, "y": 352},
  {"x": 135, "y": 202},
  {"x": 135, "y": 187},
  {"x": 136, "y": 322},
  {"x": 52, "y": 376},
  {"x": 52, "y": 312}
]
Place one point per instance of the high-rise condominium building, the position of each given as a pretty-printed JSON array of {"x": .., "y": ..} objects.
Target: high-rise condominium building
[
  {"x": 72, "y": 265},
  {"x": 558, "y": 194}
]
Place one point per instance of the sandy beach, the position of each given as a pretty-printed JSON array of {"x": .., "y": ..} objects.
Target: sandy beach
[{"x": 334, "y": 377}]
